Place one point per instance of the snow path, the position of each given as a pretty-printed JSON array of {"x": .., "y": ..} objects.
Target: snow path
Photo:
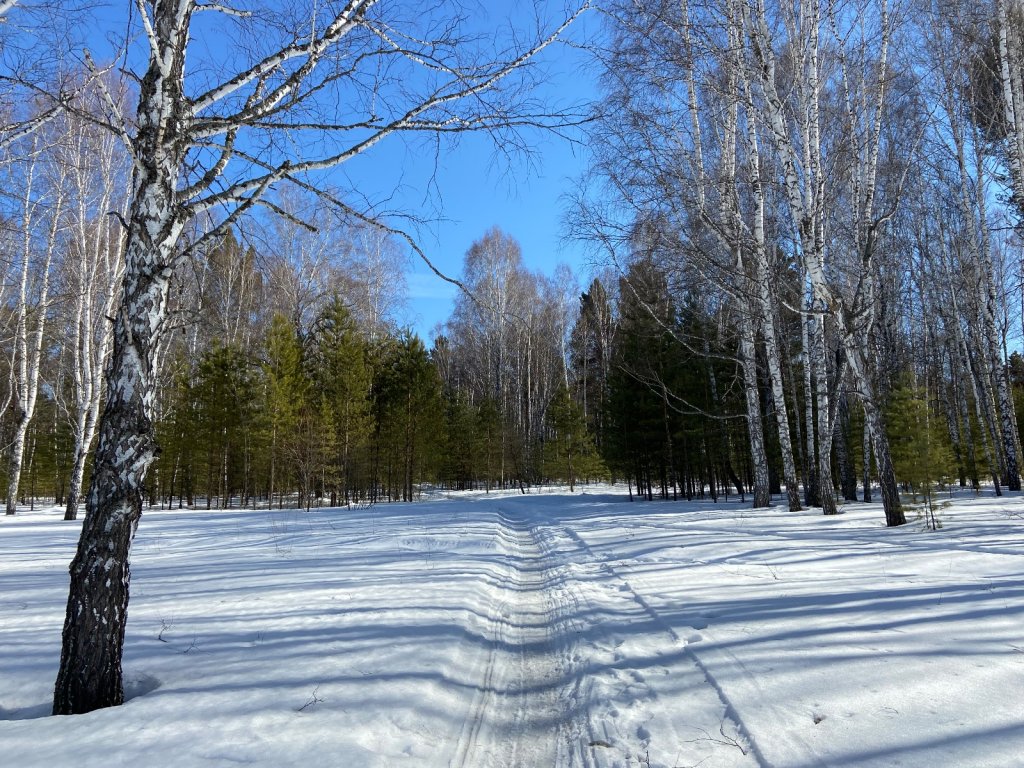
[
  {"x": 575, "y": 660},
  {"x": 636, "y": 660},
  {"x": 517, "y": 717}
]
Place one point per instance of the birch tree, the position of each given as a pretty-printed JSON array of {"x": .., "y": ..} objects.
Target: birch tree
[
  {"x": 689, "y": 156},
  {"x": 42, "y": 197},
  {"x": 375, "y": 276},
  {"x": 1010, "y": 47},
  {"x": 97, "y": 181},
  {"x": 322, "y": 77},
  {"x": 795, "y": 126}
]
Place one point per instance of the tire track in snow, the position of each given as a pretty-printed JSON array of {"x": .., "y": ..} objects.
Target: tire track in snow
[{"x": 530, "y": 706}]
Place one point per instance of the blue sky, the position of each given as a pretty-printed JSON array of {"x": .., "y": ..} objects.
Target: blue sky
[
  {"x": 466, "y": 188},
  {"x": 526, "y": 201},
  {"x": 475, "y": 187}
]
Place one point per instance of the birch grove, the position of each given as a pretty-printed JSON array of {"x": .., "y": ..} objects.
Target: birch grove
[
  {"x": 42, "y": 197},
  {"x": 779, "y": 144},
  {"x": 97, "y": 186}
]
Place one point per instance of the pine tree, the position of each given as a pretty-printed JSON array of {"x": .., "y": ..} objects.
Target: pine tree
[
  {"x": 177, "y": 434},
  {"x": 286, "y": 392},
  {"x": 921, "y": 451},
  {"x": 409, "y": 413},
  {"x": 461, "y": 464},
  {"x": 591, "y": 356},
  {"x": 569, "y": 453},
  {"x": 341, "y": 376},
  {"x": 228, "y": 403}
]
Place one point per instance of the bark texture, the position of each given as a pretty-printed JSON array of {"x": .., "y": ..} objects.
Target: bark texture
[{"x": 90, "y": 675}]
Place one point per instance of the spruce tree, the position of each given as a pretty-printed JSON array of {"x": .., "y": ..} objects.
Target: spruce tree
[
  {"x": 921, "y": 451},
  {"x": 342, "y": 377}
]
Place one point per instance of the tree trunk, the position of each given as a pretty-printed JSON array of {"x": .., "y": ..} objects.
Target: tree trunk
[
  {"x": 15, "y": 460},
  {"x": 811, "y": 487},
  {"x": 90, "y": 674},
  {"x": 866, "y": 445},
  {"x": 90, "y": 667},
  {"x": 1007, "y": 423},
  {"x": 826, "y": 488},
  {"x": 28, "y": 343},
  {"x": 755, "y": 424},
  {"x": 847, "y": 473},
  {"x": 886, "y": 474},
  {"x": 875, "y": 421},
  {"x": 75, "y": 484},
  {"x": 778, "y": 391}
]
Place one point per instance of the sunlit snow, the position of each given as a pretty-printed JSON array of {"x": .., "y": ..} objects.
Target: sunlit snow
[{"x": 540, "y": 630}]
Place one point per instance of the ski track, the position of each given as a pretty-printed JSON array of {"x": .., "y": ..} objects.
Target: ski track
[
  {"x": 530, "y": 708},
  {"x": 628, "y": 693}
]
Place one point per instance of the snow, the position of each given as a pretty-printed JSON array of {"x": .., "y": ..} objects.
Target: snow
[{"x": 541, "y": 630}]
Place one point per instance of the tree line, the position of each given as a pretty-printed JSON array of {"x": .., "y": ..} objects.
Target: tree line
[{"x": 788, "y": 270}]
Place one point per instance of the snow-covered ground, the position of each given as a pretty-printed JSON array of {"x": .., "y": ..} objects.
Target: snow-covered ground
[{"x": 536, "y": 631}]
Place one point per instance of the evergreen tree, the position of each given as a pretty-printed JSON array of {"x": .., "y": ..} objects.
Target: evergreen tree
[
  {"x": 409, "y": 411},
  {"x": 229, "y": 407},
  {"x": 342, "y": 377},
  {"x": 287, "y": 390},
  {"x": 569, "y": 452},
  {"x": 177, "y": 434},
  {"x": 921, "y": 451},
  {"x": 461, "y": 466},
  {"x": 591, "y": 356}
]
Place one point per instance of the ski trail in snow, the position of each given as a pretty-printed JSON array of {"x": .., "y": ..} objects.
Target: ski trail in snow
[{"x": 530, "y": 706}]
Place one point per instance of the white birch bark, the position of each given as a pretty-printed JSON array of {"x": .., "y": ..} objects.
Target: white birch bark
[
  {"x": 762, "y": 288},
  {"x": 740, "y": 241},
  {"x": 972, "y": 200},
  {"x": 98, "y": 187},
  {"x": 804, "y": 184},
  {"x": 755, "y": 424},
  {"x": 42, "y": 201}
]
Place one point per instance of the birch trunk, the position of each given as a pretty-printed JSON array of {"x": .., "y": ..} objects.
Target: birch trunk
[
  {"x": 763, "y": 299},
  {"x": 1012, "y": 80},
  {"x": 96, "y": 173},
  {"x": 866, "y": 454},
  {"x": 1007, "y": 417},
  {"x": 847, "y": 474},
  {"x": 812, "y": 495},
  {"x": 875, "y": 422},
  {"x": 826, "y": 486},
  {"x": 974, "y": 208},
  {"x": 32, "y": 311},
  {"x": 732, "y": 228},
  {"x": 804, "y": 180},
  {"x": 755, "y": 424},
  {"x": 90, "y": 675}
]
